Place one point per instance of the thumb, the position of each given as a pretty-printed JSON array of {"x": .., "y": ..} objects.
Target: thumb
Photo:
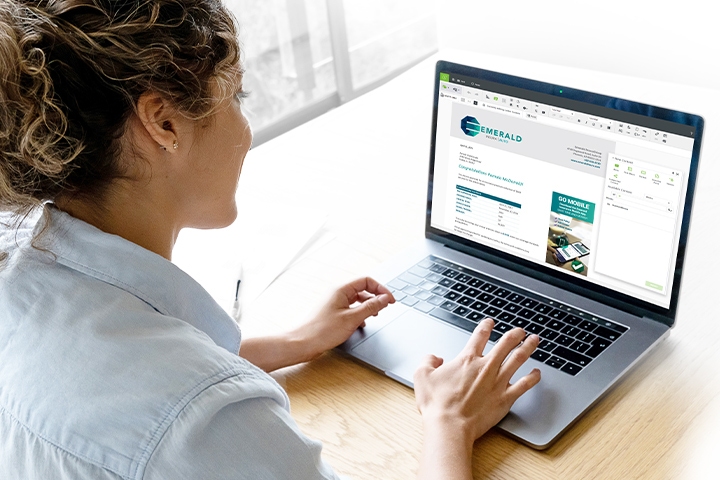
[
  {"x": 429, "y": 363},
  {"x": 371, "y": 306}
]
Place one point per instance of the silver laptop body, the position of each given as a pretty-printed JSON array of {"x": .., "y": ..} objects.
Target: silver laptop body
[{"x": 555, "y": 209}]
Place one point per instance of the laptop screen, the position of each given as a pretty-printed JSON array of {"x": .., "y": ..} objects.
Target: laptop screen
[{"x": 577, "y": 184}]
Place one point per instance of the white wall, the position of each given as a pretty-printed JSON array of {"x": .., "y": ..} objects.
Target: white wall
[{"x": 673, "y": 41}]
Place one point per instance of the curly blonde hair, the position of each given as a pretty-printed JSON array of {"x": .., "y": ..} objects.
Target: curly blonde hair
[{"x": 71, "y": 72}]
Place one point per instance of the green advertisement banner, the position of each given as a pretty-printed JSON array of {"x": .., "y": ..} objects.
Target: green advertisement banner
[{"x": 573, "y": 207}]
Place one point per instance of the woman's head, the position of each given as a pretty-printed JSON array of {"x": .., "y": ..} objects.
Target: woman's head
[{"x": 72, "y": 73}]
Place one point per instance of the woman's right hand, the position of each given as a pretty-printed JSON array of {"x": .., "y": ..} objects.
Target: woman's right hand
[{"x": 464, "y": 398}]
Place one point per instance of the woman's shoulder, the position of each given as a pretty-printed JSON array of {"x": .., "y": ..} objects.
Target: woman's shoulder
[{"x": 100, "y": 373}]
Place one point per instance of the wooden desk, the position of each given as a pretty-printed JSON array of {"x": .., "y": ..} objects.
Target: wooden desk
[{"x": 365, "y": 164}]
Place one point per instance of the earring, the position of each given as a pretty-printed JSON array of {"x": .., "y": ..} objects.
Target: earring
[{"x": 175, "y": 145}]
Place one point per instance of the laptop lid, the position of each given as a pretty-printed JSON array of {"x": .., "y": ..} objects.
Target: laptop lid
[{"x": 587, "y": 192}]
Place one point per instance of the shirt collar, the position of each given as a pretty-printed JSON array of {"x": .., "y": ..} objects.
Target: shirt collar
[{"x": 146, "y": 275}]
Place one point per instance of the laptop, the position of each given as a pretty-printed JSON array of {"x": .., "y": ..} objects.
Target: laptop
[{"x": 557, "y": 210}]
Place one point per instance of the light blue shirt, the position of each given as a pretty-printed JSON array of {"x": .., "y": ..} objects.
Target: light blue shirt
[{"x": 116, "y": 364}]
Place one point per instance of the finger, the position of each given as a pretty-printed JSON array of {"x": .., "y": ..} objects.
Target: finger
[
  {"x": 505, "y": 345},
  {"x": 479, "y": 338},
  {"x": 362, "y": 296},
  {"x": 524, "y": 384},
  {"x": 365, "y": 284},
  {"x": 518, "y": 357},
  {"x": 369, "y": 307},
  {"x": 428, "y": 364}
]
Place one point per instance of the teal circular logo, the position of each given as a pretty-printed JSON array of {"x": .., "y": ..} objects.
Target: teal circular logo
[{"x": 470, "y": 126}]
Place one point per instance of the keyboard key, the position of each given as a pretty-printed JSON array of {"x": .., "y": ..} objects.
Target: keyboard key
[
  {"x": 529, "y": 303},
  {"x": 409, "y": 301},
  {"x": 570, "y": 331},
  {"x": 452, "y": 295},
  {"x": 485, "y": 297},
  {"x": 459, "y": 287},
  {"x": 526, "y": 313},
  {"x": 446, "y": 282},
  {"x": 399, "y": 296},
  {"x": 475, "y": 316},
  {"x": 478, "y": 306},
  {"x": 427, "y": 263},
  {"x": 472, "y": 292},
  {"x": 475, "y": 283},
  {"x": 520, "y": 322},
  {"x": 397, "y": 284},
  {"x": 450, "y": 273},
  {"x": 411, "y": 290},
  {"x": 555, "y": 362},
  {"x": 549, "y": 334},
  {"x": 570, "y": 368},
  {"x": 494, "y": 336},
  {"x": 542, "y": 308},
  {"x": 502, "y": 327},
  {"x": 488, "y": 287},
  {"x": 587, "y": 325},
  {"x": 564, "y": 340},
  {"x": 579, "y": 347},
  {"x": 586, "y": 337},
  {"x": 620, "y": 328},
  {"x": 424, "y": 307},
  {"x": 498, "y": 303},
  {"x": 423, "y": 295},
  {"x": 427, "y": 285},
  {"x": 453, "y": 319},
  {"x": 572, "y": 356},
  {"x": 465, "y": 301},
  {"x": 419, "y": 271},
  {"x": 435, "y": 300},
  {"x": 606, "y": 333},
  {"x": 541, "y": 319},
  {"x": 437, "y": 268},
  {"x": 540, "y": 356},
  {"x": 463, "y": 278},
  {"x": 502, "y": 293},
  {"x": 534, "y": 328},
  {"x": 462, "y": 311},
  {"x": 492, "y": 311},
  {"x": 513, "y": 307},
  {"x": 515, "y": 298},
  {"x": 434, "y": 277},
  {"x": 557, "y": 314},
  {"x": 597, "y": 347},
  {"x": 410, "y": 278},
  {"x": 449, "y": 306},
  {"x": 546, "y": 345},
  {"x": 572, "y": 320},
  {"x": 555, "y": 325},
  {"x": 505, "y": 316}
]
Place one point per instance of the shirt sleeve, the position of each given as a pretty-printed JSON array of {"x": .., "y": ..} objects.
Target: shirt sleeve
[{"x": 215, "y": 437}]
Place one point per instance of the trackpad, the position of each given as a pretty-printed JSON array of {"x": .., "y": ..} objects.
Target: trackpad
[{"x": 400, "y": 347}]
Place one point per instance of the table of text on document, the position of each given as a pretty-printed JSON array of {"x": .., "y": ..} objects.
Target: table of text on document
[{"x": 490, "y": 211}]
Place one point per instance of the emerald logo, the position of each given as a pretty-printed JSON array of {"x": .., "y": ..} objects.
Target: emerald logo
[
  {"x": 471, "y": 127},
  {"x": 444, "y": 77}
]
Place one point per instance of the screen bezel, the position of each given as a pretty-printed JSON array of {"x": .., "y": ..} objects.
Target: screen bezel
[{"x": 562, "y": 96}]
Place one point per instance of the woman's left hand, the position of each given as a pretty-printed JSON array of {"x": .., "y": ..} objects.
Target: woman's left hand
[
  {"x": 334, "y": 324},
  {"x": 338, "y": 319}
]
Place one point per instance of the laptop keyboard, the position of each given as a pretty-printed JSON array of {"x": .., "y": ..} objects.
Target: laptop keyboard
[{"x": 569, "y": 338}]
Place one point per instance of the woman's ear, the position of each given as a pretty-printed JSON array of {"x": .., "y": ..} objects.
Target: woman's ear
[{"x": 156, "y": 117}]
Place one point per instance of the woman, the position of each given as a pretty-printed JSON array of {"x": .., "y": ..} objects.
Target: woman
[{"x": 121, "y": 123}]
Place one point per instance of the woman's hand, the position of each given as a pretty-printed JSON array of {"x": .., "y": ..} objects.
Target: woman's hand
[
  {"x": 462, "y": 399},
  {"x": 338, "y": 319},
  {"x": 334, "y": 324}
]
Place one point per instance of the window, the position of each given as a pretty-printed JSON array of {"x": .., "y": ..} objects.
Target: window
[{"x": 304, "y": 57}]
